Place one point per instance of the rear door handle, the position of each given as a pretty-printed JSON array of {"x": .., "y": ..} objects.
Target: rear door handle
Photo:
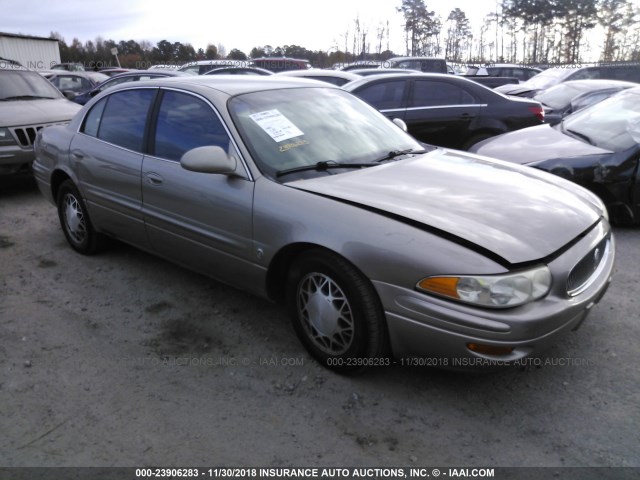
[
  {"x": 153, "y": 178},
  {"x": 77, "y": 155}
]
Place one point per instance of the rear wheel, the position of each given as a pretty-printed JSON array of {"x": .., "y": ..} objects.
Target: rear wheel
[
  {"x": 75, "y": 221},
  {"x": 336, "y": 312}
]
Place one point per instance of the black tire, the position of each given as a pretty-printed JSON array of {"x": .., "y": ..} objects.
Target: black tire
[
  {"x": 336, "y": 313},
  {"x": 75, "y": 221}
]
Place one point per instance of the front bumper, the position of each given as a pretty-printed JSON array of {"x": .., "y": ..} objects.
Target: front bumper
[
  {"x": 14, "y": 158},
  {"x": 423, "y": 326}
]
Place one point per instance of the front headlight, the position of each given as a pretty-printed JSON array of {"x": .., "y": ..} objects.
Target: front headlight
[
  {"x": 6, "y": 138},
  {"x": 495, "y": 291}
]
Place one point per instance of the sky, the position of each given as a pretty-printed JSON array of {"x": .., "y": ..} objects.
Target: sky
[
  {"x": 317, "y": 25},
  {"x": 241, "y": 24}
]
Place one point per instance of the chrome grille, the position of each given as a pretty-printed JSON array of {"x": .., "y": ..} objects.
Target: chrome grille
[
  {"x": 586, "y": 269},
  {"x": 25, "y": 136}
]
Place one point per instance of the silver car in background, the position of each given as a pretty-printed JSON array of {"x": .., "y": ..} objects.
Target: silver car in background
[{"x": 299, "y": 192}]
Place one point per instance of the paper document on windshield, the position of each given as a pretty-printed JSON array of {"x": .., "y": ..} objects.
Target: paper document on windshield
[{"x": 276, "y": 125}]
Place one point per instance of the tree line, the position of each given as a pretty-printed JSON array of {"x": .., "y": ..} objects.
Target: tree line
[
  {"x": 518, "y": 31},
  {"x": 527, "y": 31}
]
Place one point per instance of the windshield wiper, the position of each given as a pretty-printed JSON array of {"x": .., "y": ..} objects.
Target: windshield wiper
[
  {"x": 396, "y": 153},
  {"x": 25, "y": 97},
  {"x": 322, "y": 166},
  {"x": 580, "y": 135}
]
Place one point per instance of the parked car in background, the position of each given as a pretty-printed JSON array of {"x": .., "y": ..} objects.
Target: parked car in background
[
  {"x": 446, "y": 110},
  {"x": 71, "y": 83},
  {"x": 361, "y": 64},
  {"x": 111, "y": 71},
  {"x": 520, "y": 72},
  {"x": 366, "y": 72},
  {"x": 301, "y": 193},
  {"x": 239, "y": 71},
  {"x": 171, "y": 66},
  {"x": 422, "y": 64},
  {"x": 597, "y": 147},
  {"x": 28, "y": 103},
  {"x": 203, "y": 66},
  {"x": 545, "y": 79},
  {"x": 71, "y": 67},
  {"x": 130, "y": 76},
  {"x": 557, "y": 74},
  {"x": 335, "y": 77},
  {"x": 568, "y": 97},
  {"x": 280, "y": 64}
]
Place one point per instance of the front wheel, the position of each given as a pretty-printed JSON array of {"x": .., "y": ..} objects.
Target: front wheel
[
  {"x": 75, "y": 221},
  {"x": 336, "y": 312}
]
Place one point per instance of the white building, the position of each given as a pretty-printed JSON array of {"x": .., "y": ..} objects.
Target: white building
[{"x": 35, "y": 53}]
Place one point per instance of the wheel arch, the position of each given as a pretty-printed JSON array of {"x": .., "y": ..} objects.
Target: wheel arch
[
  {"x": 281, "y": 264},
  {"x": 57, "y": 178}
]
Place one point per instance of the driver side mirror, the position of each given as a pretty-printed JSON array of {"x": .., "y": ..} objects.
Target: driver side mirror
[
  {"x": 209, "y": 159},
  {"x": 400, "y": 124},
  {"x": 70, "y": 95}
]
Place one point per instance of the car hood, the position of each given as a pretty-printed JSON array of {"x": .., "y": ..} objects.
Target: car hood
[
  {"x": 535, "y": 144},
  {"x": 30, "y": 112},
  {"x": 518, "y": 214}
]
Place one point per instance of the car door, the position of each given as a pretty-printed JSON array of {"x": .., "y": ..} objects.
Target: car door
[
  {"x": 386, "y": 95},
  {"x": 201, "y": 220},
  {"x": 107, "y": 155},
  {"x": 440, "y": 112}
]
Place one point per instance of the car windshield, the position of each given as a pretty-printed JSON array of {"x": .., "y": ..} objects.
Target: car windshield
[
  {"x": 559, "y": 96},
  {"x": 613, "y": 124},
  {"x": 548, "y": 77},
  {"x": 16, "y": 85},
  {"x": 296, "y": 128}
]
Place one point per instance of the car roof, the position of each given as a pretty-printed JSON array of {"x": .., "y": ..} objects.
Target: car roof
[
  {"x": 230, "y": 85},
  {"x": 318, "y": 72},
  {"x": 405, "y": 76},
  {"x": 159, "y": 73}
]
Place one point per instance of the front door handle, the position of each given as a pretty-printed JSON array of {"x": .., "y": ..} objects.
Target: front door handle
[{"x": 153, "y": 178}]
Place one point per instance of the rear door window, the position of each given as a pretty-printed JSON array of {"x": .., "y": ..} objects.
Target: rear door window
[
  {"x": 427, "y": 93},
  {"x": 123, "y": 118},
  {"x": 384, "y": 95}
]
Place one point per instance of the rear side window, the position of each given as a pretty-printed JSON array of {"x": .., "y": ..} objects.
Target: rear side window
[
  {"x": 432, "y": 94},
  {"x": 186, "y": 122},
  {"x": 92, "y": 120},
  {"x": 384, "y": 95},
  {"x": 121, "y": 118}
]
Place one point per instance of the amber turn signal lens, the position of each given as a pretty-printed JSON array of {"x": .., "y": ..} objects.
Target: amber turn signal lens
[
  {"x": 489, "y": 349},
  {"x": 441, "y": 285}
]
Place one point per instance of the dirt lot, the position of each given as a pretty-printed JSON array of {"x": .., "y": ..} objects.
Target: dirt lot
[{"x": 123, "y": 359}]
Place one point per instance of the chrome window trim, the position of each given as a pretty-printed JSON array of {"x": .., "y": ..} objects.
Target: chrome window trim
[
  {"x": 135, "y": 87},
  {"x": 462, "y": 105}
]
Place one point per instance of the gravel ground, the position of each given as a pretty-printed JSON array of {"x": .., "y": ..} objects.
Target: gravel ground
[{"x": 123, "y": 359}]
